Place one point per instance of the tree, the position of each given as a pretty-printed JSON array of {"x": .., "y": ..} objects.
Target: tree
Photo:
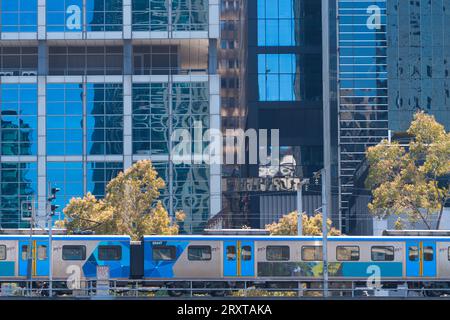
[
  {"x": 411, "y": 180},
  {"x": 130, "y": 206},
  {"x": 312, "y": 226}
]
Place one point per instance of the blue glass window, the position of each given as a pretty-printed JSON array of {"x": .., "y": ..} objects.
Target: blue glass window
[
  {"x": 278, "y": 22},
  {"x": 18, "y": 107},
  {"x": 64, "y": 119},
  {"x": 18, "y": 16},
  {"x": 18, "y": 185},
  {"x": 150, "y": 15},
  {"x": 68, "y": 176},
  {"x": 64, "y": 15},
  {"x": 278, "y": 77},
  {"x": 99, "y": 174},
  {"x": 190, "y": 15},
  {"x": 104, "y": 118},
  {"x": 104, "y": 15}
]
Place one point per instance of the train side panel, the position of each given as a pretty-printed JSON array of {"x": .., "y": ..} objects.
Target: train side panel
[
  {"x": 83, "y": 256},
  {"x": 9, "y": 266},
  {"x": 182, "y": 259}
]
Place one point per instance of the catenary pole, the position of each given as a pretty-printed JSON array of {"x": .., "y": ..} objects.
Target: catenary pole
[{"x": 324, "y": 233}]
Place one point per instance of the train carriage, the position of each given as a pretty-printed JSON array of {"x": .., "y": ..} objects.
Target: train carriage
[{"x": 81, "y": 254}]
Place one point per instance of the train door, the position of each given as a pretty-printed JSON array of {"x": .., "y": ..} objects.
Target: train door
[
  {"x": 420, "y": 259},
  {"x": 35, "y": 260},
  {"x": 238, "y": 259}
]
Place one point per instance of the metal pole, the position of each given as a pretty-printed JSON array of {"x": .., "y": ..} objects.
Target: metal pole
[
  {"x": 299, "y": 209},
  {"x": 324, "y": 234},
  {"x": 50, "y": 243},
  {"x": 50, "y": 249}
]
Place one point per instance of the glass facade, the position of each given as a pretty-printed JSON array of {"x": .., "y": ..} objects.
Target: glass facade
[
  {"x": 67, "y": 15},
  {"x": 278, "y": 22},
  {"x": 68, "y": 176},
  {"x": 150, "y": 118},
  {"x": 363, "y": 88},
  {"x": 18, "y": 185},
  {"x": 18, "y": 106},
  {"x": 99, "y": 174},
  {"x": 181, "y": 15},
  {"x": 18, "y": 16},
  {"x": 419, "y": 61},
  {"x": 83, "y": 97},
  {"x": 278, "y": 77},
  {"x": 104, "y": 120},
  {"x": 65, "y": 119}
]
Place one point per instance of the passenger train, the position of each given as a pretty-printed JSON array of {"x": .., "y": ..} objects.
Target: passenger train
[{"x": 259, "y": 259}]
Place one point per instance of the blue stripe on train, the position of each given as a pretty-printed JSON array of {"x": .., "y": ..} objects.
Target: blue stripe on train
[
  {"x": 364, "y": 269},
  {"x": 6, "y": 268}
]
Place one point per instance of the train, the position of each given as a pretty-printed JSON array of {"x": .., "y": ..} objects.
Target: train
[{"x": 224, "y": 260}]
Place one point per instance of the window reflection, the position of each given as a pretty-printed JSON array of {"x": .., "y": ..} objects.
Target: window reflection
[
  {"x": 278, "y": 77},
  {"x": 18, "y": 107}
]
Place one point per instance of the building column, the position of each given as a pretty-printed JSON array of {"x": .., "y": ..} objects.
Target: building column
[
  {"x": 42, "y": 158},
  {"x": 127, "y": 122},
  {"x": 215, "y": 168},
  {"x": 41, "y": 31},
  {"x": 127, "y": 19}
]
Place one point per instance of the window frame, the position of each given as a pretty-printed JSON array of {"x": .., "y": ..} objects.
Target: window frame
[
  {"x": 385, "y": 247},
  {"x": 173, "y": 252},
  {"x": 83, "y": 256},
  {"x": 282, "y": 247},
  {"x": 107, "y": 247},
  {"x": 348, "y": 246},
  {"x": 5, "y": 255},
  {"x": 311, "y": 246},
  {"x": 200, "y": 247}
]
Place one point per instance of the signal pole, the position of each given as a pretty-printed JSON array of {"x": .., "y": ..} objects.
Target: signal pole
[
  {"x": 51, "y": 209},
  {"x": 324, "y": 233}
]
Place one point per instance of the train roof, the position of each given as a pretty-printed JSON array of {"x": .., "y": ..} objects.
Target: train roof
[
  {"x": 66, "y": 237},
  {"x": 290, "y": 238}
]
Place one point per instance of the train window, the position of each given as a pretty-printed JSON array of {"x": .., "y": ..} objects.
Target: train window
[
  {"x": 382, "y": 253},
  {"x": 347, "y": 253},
  {"x": 199, "y": 253},
  {"x": 108, "y": 253},
  {"x": 24, "y": 252},
  {"x": 246, "y": 253},
  {"x": 42, "y": 252},
  {"x": 74, "y": 252},
  {"x": 428, "y": 254},
  {"x": 413, "y": 253},
  {"x": 312, "y": 253},
  {"x": 164, "y": 253},
  {"x": 2, "y": 252},
  {"x": 277, "y": 253},
  {"x": 231, "y": 253},
  {"x": 448, "y": 253}
]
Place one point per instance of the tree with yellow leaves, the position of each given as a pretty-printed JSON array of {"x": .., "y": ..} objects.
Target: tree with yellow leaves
[
  {"x": 130, "y": 206},
  {"x": 411, "y": 181},
  {"x": 312, "y": 226}
]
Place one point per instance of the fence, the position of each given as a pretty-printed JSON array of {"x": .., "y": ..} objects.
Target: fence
[{"x": 196, "y": 288}]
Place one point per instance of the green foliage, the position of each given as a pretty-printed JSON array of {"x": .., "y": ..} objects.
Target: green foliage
[
  {"x": 312, "y": 226},
  {"x": 130, "y": 206},
  {"x": 406, "y": 180}
]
